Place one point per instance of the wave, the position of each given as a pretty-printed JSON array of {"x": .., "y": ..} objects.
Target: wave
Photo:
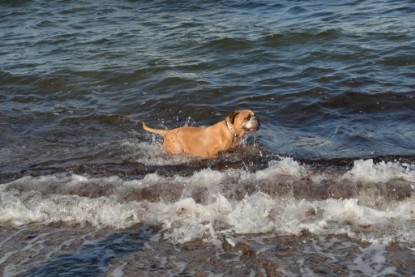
[
  {"x": 369, "y": 201},
  {"x": 228, "y": 44},
  {"x": 290, "y": 37}
]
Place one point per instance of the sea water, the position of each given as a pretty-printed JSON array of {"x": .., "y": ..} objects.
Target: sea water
[{"x": 324, "y": 188}]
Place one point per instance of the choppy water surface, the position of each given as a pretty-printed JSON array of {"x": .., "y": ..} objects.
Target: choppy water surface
[{"x": 324, "y": 188}]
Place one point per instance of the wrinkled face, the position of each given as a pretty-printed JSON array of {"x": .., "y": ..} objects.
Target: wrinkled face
[{"x": 244, "y": 122}]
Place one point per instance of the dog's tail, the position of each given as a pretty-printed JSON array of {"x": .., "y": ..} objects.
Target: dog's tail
[{"x": 156, "y": 131}]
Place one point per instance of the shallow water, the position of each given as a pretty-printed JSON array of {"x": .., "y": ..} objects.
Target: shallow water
[{"x": 325, "y": 187}]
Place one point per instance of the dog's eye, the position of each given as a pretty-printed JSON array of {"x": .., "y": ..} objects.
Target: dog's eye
[{"x": 248, "y": 117}]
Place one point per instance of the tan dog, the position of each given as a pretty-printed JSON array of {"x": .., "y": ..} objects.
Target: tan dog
[{"x": 210, "y": 141}]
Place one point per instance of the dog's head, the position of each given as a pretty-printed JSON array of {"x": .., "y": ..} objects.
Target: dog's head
[{"x": 244, "y": 122}]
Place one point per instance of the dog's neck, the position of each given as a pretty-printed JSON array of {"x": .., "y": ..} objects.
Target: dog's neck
[{"x": 231, "y": 129}]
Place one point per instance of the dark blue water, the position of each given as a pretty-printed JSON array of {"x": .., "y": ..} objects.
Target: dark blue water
[{"x": 332, "y": 83}]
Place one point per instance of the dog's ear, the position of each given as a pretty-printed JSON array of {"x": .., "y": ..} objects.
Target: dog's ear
[{"x": 232, "y": 117}]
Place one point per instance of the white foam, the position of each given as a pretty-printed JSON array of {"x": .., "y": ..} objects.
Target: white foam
[
  {"x": 367, "y": 171},
  {"x": 24, "y": 201},
  {"x": 286, "y": 166},
  {"x": 151, "y": 153},
  {"x": 260, "y": 213}
]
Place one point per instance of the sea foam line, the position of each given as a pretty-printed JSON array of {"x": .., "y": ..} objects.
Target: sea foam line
[{"x": 28, "y": 200}]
